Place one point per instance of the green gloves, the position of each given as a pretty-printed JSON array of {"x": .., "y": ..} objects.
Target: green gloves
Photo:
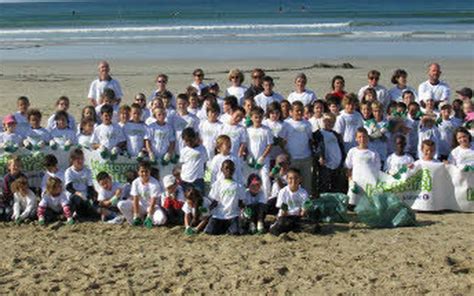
[
  {"x": 308, "y": 205},
  {"x": 137, "y": 221},
  {"x": 189, "y": 231},
  {"x": 248, "y": 213},
  {"x": 114, "y": 201},
  {"x": 203, "y": 210},
  {"x": 148, "y": 223}
]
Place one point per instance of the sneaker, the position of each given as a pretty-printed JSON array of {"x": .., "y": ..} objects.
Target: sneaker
[
  {"x": 252, "y": 228},
  {"x": 260, "y": 227},
  {"x": 116, "y": 220}
]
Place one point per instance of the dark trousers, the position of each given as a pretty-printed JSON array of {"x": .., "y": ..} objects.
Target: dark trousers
[
  {"x": 258, "y": 210},
  {"x": 285, "y": 224},
  {"x": 198, "y": 184},
  {"x": 175, "y": 216},
  {"x": 271, "y": 207},
  {"x": 331, "y": 180},
  {"x": 84, "y": 209},
  {"x": 223, "y": 226}
]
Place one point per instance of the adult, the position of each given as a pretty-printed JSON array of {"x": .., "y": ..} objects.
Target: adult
[
  {"x": 399, "y": 78},
  {"x": 236, "y": 78},
  {"x": 256, "y": 86},
  {"x": 465, "y": 94},
  {"x": 337, "y": 85},
  {"x": 305, "y": 96},
  {"x": 434, "y": 88},
  {"x": 373, "y": 78},
  {"x": 102, "y": 82},
  {"x": 198, "y": 84},
  {"x": 161, "y": 82}
]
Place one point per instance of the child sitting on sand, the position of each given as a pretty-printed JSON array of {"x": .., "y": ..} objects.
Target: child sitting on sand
[
  {"x": 172, "y": 200},
  {"x": 108, "y": 196},
  {"x": 6, "y": 200},
  {"x": 24, "y": 206},
  {"x": 196, "y": 211},
  {"x": 254, "y": 203},
  {"x": 54, "y": 202},
  {"x": 50, "y": 164},
  {"x": 227, "y": 193}
]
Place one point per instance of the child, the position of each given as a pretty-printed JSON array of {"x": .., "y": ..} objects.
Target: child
[
  {"x": 10, "y": 141},
  {"x": 24, "y": 206},
  {"x": 193, "y": 107},
  {"x": 183, "y": 119},
  {"x": 268, "y": 96},
  {"x": 6, "y": 200},
  {"x": 290, "y": 202},
  {"x": 223, "y": 149},
  {"x": 108, "y": 98},
  {"x": 412, "y": 122},
  {"x": 366, "y": 112},
  {"x": 333, "y": 105},
  {"x": 79, "y": 186},
  {"x": 172, "y": 200},
  {"x": 193, "y": 159},
  {"x": 162, "y": 138},
  {"x": 408, "y": 97},
  {"x": 108, "y": 196},
  {"x": 21, "y": 116},
  {"x": 86, "y": 129},
  {"x": 279, "y": 174},
  {"x": 378, "y": 132},
  {"x": 54, "y": 202},
  {"x": 140, "y": 100},
  {"x": 227, "y": 193},
  {"x": 398, "y": 162},
  {"x": 51, "y": 170},
  {"x": 446, "y": 127},
  {"x": 196, "y": 211},
  {"x": 208, "y": 101},
  {"x": 37, "y": 136},
  {"x": 348, "y": 122},
  {"x": 298, "y": 138},
  {"x": 462, "y": 154},
  {"x": 317, "y": 119},
  {"x": 88, "y": 113},
  {"x": 145, "y": 204},
  {"x": 276, "y": 126},
  {"x": 248, "y": 105},
  {"x": 260, "y": 144},
  {"x": 428, "y": 150},
  {"x": 136, "y": 133},
  {"x": 108, "y": 136},
  {"x": 428, "y": 131},
  {"x": 209, "y": 129},
  {"x": 228, "y": 106},
  {"x": 328, "y": 150},
  {"x": 62, "y": 104},
  {"x": 254, "y": 202},
  {"x": 236, "y": 132},
  {"x": 61, "y": 134},
  {"x": 124, "y": 115},
  {"x": 285, "y": 107},
  {"x": 359, "y": 161}
]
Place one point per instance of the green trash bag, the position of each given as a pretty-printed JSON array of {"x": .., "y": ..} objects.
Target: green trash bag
[
  {"x": 384, "y": 210},
  {"x": 332, "y": 207}
]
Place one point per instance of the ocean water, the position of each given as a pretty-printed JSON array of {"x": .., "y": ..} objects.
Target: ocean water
[{"x": 235, "y": 29}]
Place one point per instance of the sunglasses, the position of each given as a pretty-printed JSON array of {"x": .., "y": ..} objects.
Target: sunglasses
[
  {"x": 257, "y": 77},
  {"x": 373, "y": 78},
  {"x": 199, "y": 75}
]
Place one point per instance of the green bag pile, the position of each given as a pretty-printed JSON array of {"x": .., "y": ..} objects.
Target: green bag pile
[{"x": 329, "y": 207}]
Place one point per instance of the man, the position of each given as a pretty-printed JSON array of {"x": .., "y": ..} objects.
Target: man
[
  {"x": 102, "y": 82},
  {"x": 256, "y": 86},
  {"x": 382, "y": 93},
  {"x": 434, "y": 88}
]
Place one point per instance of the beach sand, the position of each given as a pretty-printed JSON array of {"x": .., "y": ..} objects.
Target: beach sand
[{"x": 435, "y": 258}]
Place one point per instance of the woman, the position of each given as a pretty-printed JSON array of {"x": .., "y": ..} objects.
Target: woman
[
  {"x": 302, "y": 94},
  {"x": 236, "y": 77},
  {"x": 399, "y": 78}
]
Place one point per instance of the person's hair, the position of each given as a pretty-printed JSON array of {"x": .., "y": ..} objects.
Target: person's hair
[
  {"x": 297, "y": 104},
  {"x": 402, "y": 105},
  {"x": 428, "y": 143},
  {"x": 53, "y": 183},
  {"x": 376, "y": 105},
  {"x": 155, "y": 172},
  {"x": 158, "y": 109},
  {"x": 259, "y": 71},
  {"x": 61, "y": 114},
  {"x": 63, "y": 98},
  {"x": 107, "y": 109},
  {"x": 232, "y": 101},
  {"x": 365, "y": 104},
  {"x": 401, "y": 137},
  {"x": 238, "y": 108},
  {"x": 273, "y": 107},
  {"x": 125, "y": 108},
  {"x": 108, "y": 94},
  {"x": 350, "y": 98},
  {"x": 194, "y": 195},
  {"x": 229, "y": 163},
  {"x": 137, "y": 107},
  {"x": 238, "y": 73},
  {"x": 458, "y": 130},
  {"x": 191, "y": 91},
  {"x": 50, "y": 161},
  {"x": 146, "y": 165},
  {"x": 373, "y": 73},
  {"x": 102, "y": 176},
  {"x": 183, "y": 97},
  {"x": 329, "y": 116},
  {"x": 176, "y": 172},
  {"x": 414, "y": 104},
  {"x": 18, "y": 184},
  {"x": 197, "y": 71},
  {"x": 371, "y": 91},
  {"x": 14, "y": 159},
  {"x": 140, "y": 96},
  {"x": 332, "y": 100},
  {"x": 91, "y": 108},
  {"x": 407, "y": 92},
  {"x": 161, "y": 75},
  {"x": 257, "y": 110},
  {"x": 213, "y": 108},
  {"x": 397, "y": 74},
  {"x": 188, "y": 135},
  {"x": 253, "y": 177},
  {"x": 362, "y": 130},
  {"x": 34, "y": 112},
  {"x": 294, "y": 171},
  {"x": 268, "y": 79},
  {"x": 337, "y": 77},
  {"x": 75, "y": 155},
  {"x": 23, "y": 99},
  {"x": 221, "y": 140},
  {"x": 165, "y": 95},
  {"x": 131, "y": 175},
  {"x": 302, "y": 76},
  {"x": 321, "y": 102}
]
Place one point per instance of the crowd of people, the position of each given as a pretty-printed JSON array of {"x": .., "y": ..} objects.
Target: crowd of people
[{"x": 298, "y": 147}]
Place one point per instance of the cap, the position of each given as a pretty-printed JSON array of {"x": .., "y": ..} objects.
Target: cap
[
  {"x": 169, "y": 180},
  {"x": 465, "y": 91},
  {"x": 9, "y": 119}
]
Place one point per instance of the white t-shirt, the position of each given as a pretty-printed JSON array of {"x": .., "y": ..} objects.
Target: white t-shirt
[
  {"x": 461, "y": 156},
  {"x": 84, "y": 140},
  {"x": 316, "y": 123},
  {"x": 209, "y": 131},
  {"x": 71, "y": 122},
  {"x": 108, "y": 135},
  {"x": 250, "y": 199},
  {"x": 79, "y": 179},
  {"x": 347, "y": 125},
  {"x": 294, "y": 200},
  {"x": 277, "y": 130},
  {"x": 446, "y": 131},
  {"x": 115, "y": 112},
  {"x": 193, "y": 163},
  {"x": 161, "y": 136},
  {"x": 146, "y": 192},
  {"x": 382, "y": 94},
  {"x": 24, "y": 206},
  {"x": 307, "y": 97},
  {"x": 238, "y": 92},
  {"x": 103, "y": 194},
  {"x": 298, "y": 135},
  {"x": 428, "y": 134},
  {"x": 216, "y": 165},
  {"x": 263, "y": 100},
  {"x": 199, "y": 87},
  {"x": 54, "y": 203},
  {"x": 98, "y": 86},
  {"x": 47, "y": 174},
  {"x": 136, "y": 134},
  {"x": 179, "y": 123},
  {"x": 437, "y": 92},
  {"x": 188, "y": 210},
  {"x": 227, "y": 193},
  {"x": 259, "y": 139},
  {"x": 332, "y": 153},
  {"x": 60, "y": 136},
  {"x": 22, "y": 124},
  {"x": 395, "y": 162},
  {"x": 237, "y": 135},
  {"x": 36, "y": 135},
  {"x": 362, "y": 162},
  {"x": 13, "y": 138},
  {"x": 396, "y": 93}
]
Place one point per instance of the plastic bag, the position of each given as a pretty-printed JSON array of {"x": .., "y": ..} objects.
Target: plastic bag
[
  {"x": 384, "y": 210},
  {"x": 329, "y": 207}
]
